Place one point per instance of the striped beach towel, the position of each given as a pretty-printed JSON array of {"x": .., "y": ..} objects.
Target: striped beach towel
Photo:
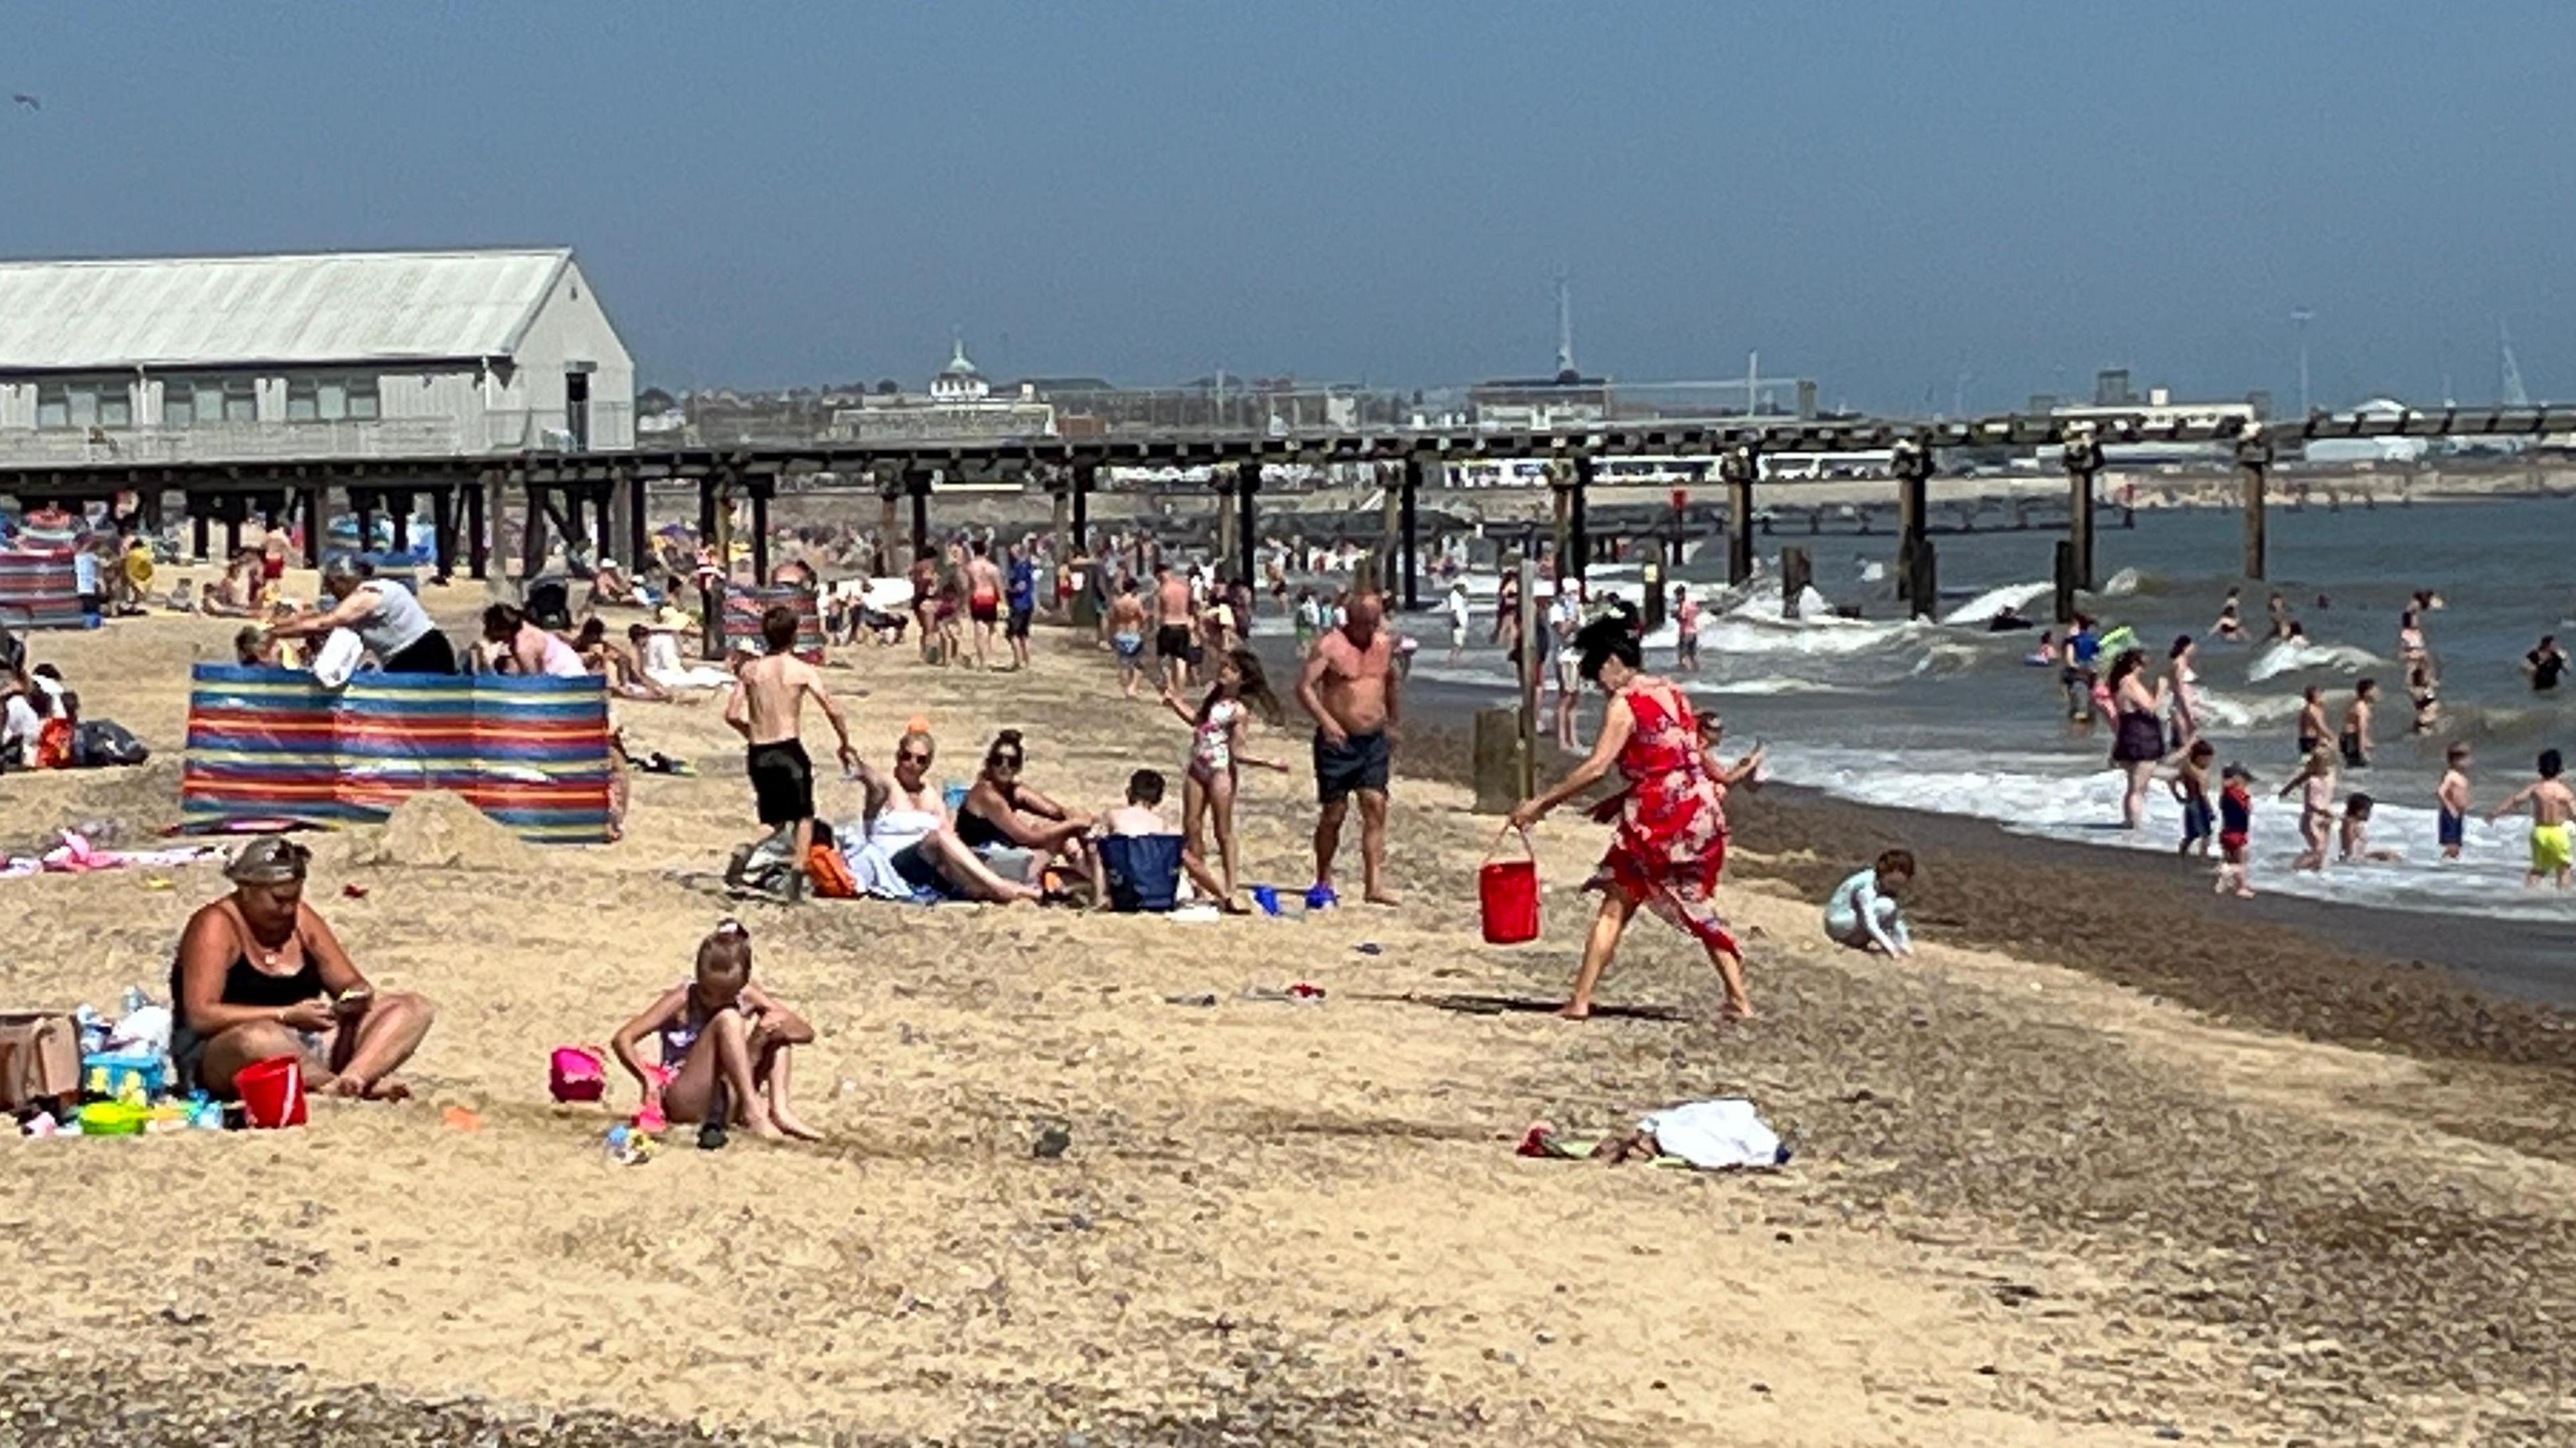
[
  {"x": 40, "y": 590},
  {"x": 743, "y": 607},
  {"x": 271, "y": 744}
]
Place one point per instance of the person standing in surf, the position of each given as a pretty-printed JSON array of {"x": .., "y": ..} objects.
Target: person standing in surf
[
  {"x": 2182, "y": 691},
  {"x": 2137, "y": 736},
  {"x": 1668, "y": 845},
  {"x": 2312, "y": 720},
  {"x": 2354, "y": 739},
  {"x": 2553, "y": 855}
]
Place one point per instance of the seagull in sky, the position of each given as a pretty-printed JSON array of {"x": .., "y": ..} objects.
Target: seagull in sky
[{"x": 30, "y": 102}]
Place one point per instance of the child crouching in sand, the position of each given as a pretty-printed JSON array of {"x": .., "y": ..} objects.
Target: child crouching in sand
[{"x": 723, "y": 1038}]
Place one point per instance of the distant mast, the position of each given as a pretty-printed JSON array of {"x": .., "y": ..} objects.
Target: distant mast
[{"x": 1564, "y": 327}]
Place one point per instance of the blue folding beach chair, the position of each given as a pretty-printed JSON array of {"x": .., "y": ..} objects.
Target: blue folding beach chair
[{"x": 1144, "y": 871}]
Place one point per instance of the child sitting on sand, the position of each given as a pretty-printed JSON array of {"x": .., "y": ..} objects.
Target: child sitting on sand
[
  {"x": 1862, "y": 912},
  {"x": 723, "y": 1040}
]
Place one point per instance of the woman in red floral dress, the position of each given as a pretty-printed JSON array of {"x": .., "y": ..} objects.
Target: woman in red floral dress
[{"x": 1670, "y": 838}]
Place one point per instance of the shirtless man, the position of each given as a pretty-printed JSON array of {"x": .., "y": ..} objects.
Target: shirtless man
[
  {"x": 767, "y": 709},
  {"x": 1349, "y": 686},
  {"x": 2553, "y": 807},
  {"x": 983, "y": 599},
  {"x": 2354, "y": 740},
  {"x": 1174, "y": 614}
]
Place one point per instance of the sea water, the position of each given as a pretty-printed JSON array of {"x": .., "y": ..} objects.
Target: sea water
[{"x": 1948, "y": 717}]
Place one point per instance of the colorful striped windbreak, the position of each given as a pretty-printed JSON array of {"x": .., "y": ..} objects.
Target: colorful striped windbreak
[
  {"x": 40, "y": 590},
  {"x": 271, "y": 744},
  {"x": 744, "y": 606}
]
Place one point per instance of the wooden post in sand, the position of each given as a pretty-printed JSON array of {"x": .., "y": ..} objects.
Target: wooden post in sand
[
  {"x": 1411, "y": 524},
  {"x": 442, "y": 531},
  {"x": 1086, "y": 476},
  {"x": 760, "y": 490},
  {"x": 2254, "y": 460},
  {"x": 1247, "y": 520},
  {"x": 1739, "y": 468},
  {"x": 478, "y": 542}
]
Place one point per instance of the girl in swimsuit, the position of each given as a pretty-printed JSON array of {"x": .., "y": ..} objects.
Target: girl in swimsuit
[
  {"x": 1216, "y": 750},
  {"x": 719, "y": 1030},
  {"x": 2315, "y": 786}
]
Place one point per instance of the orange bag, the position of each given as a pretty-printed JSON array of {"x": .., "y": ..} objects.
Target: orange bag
[{"x": 830, "y": 873}]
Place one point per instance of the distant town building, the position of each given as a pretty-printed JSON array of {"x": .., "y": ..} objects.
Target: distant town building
[
  {"x": 1568, "y": 399},
  {"x": 342, "y": 354},
  {"x": 959, "y": 407}
]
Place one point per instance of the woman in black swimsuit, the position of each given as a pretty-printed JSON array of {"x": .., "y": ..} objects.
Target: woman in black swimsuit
[
  {"x": 2138, "y": 740},
  {"x": 1012, "y": 826},
  {"x": 259, "y": 975}
]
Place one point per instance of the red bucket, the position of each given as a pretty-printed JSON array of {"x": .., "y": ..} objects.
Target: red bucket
[
  {"x": 272, "y": 1092},
  {"x": 1507, "y": 892}
]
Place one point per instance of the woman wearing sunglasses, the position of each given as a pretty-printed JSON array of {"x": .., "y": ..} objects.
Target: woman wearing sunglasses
[
  {"x": 910, "y": 852},
  {"x": 1011, "y": 826}
]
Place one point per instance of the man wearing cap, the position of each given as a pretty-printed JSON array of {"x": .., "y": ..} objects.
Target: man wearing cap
[
  {"x": 259, "y": 975},
  {"x": 383, "y": 614}
]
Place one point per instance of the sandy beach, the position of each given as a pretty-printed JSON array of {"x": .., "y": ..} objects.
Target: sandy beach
[{"x": 2119, "y": 1177}]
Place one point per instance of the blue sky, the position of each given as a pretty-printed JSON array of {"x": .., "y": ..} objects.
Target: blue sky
[{"x": 1886, "y": 197}]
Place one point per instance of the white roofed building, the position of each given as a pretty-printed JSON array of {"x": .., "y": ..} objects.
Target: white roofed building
[
  {"x": 343, "y": 354},
  {"x": 960, "y": 407}
]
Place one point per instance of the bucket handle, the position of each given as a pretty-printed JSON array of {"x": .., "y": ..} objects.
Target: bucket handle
[{"x": 1528, "y": 849}]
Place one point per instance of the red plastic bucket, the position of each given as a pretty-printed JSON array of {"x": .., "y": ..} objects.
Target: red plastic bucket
[
  {"x": 1507, "y": 895},
  {"x": 272, "y": 1092}
]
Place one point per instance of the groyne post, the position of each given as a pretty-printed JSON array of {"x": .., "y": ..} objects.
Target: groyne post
[
  {"x": 2062, "y": 577},
  {"x": 760, "y": 490},
  {"x": 2254, "y": 460},
  {"x": 2083, "y": 459},
  {"x": 1912, "y": 464},
  {"x": 1739, "y": 467},
  {"x": 1795, "y": 574}
]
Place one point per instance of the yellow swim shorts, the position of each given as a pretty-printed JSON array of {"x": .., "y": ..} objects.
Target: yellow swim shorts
[{"x": 2551, "y": 850}]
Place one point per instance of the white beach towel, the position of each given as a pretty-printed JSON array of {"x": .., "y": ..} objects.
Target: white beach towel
[{"x": 1713, "y": 1135}]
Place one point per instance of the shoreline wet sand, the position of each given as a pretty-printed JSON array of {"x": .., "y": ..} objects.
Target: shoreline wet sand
[{"x": 2031, "y": 1204}]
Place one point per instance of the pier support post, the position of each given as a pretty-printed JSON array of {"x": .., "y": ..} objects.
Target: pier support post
[
  {"x": 716, "y": 506},
  {"x": 1739, "y": 467},
  {"x": 603, "y": 517},
  {"x": 639, "y": 525},
  {"x": 364, "y": 505},
  {"x": 478, "y": 543},
  {"x": 1578, "y": 528},
  {"x": 232, "y": 527},
  {"x": 442, "y": 531},
  {"x": 2062, "y": 575},
  {"x": 398, "y": 504},
  {"x": 760, "y": 490},
  {"x": 916, "y": 486},
  {"x": 889, "y": 494},
  {"x": 1912, "y": 464},
  {"x": 532, "y": 536},
  {"x": 1086, "y": 476},
  {"x": 1412, "y": 525},
  {"x": 2254, "y": 460},
  {"x": 197, "y": 525},
  {"x": 2083, "y": 459},
  {"x": 1247, "y": 521}
]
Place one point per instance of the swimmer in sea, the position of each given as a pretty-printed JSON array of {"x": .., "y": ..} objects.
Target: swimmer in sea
[
  {"x": 2312, "y": 720},
  {"x": 2229, "y": 626},
  {"x": 2452, "y": 797},
  {"x": 2553, "y": 854},
  {"x": 2283, "y": 624},
  {"x": 2354, "y": 740}
]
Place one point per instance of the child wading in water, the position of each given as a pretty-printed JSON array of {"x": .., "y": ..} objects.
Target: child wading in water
[
  {"x": 723, "y": 1038},
  {"x": 2315, "y": 785},
  {"x": 1216, "y": 749},
  {"x": 2553, "y": 854},
  {"x": 2452, "y": 795},
  {"x": 2190, "y": 785},
  {"x": 2235, "y": 829}
]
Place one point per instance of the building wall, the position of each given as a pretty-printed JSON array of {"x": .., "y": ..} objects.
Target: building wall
[
  {"x": 422, "y": 410},
  {"x": 570, "y": 327}
]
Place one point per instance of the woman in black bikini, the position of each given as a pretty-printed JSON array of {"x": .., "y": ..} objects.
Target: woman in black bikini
[
  {"x": 2138, "y": 740},
  {"x": 259, "y": 975},
  {"x": 1012, "y": 826}
]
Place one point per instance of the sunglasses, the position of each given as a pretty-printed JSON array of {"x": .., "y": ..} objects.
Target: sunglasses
[
  {"x": 908, "y": 757},
  {"x": 1002, "y": 761}
]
